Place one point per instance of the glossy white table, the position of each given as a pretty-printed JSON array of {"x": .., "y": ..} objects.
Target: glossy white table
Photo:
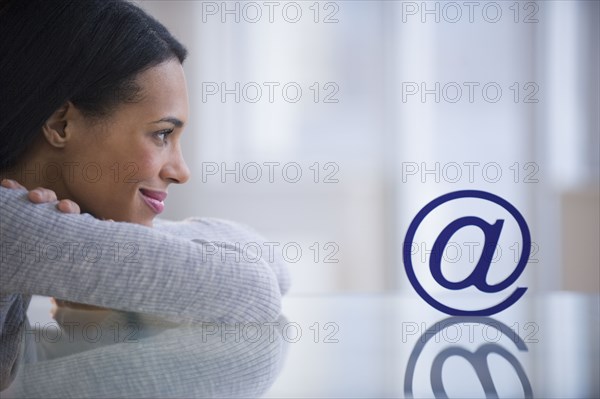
[
  {"x": 366, "y": 346},
  {"x": 398, "y": 346}
]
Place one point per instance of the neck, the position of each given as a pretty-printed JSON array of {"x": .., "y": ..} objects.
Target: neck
[{"x": 36, "y": 172}]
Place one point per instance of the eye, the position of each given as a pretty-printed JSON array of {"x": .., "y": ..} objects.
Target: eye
[{"x": 163, "y": 134}]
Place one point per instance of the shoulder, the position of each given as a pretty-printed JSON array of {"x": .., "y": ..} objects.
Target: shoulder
[{"x": 7, "y": 194}]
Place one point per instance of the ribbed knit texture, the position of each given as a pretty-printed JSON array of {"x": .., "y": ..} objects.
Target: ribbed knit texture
[
  {"x": 172, "y": 271},
  {"x": 188, "y": 361}
]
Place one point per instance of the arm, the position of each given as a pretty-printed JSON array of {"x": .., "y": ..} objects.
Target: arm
[
  {"x": 127, "y": 267},
  {"x": 249, "y": 242},
  {"x": 203, "y": 360}
]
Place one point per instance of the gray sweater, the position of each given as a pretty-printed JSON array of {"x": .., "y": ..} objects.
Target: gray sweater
[
  {"x": 198, "y": 270},
  {"x": 187, "y": 361}
]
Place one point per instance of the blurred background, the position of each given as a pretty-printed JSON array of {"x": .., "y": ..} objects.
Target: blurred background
[{"x": 327, "y": 126}]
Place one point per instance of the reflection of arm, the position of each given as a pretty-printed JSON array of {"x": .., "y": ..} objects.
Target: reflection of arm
[
  {"x": 127, "y": 267},
  {"x": 191, "y": 361}
]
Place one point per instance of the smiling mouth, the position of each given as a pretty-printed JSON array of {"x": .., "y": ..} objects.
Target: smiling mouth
[{"x": 154, "y": 200}]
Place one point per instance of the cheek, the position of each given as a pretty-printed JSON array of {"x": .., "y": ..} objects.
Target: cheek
[{"x": 147, "y": 164}]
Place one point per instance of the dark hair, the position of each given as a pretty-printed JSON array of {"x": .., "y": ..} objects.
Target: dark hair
[{"x": 88, "y": 52}]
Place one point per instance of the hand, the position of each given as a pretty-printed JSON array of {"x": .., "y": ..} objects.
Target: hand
[
  {"x": 42, "y": 195},
  {"x": 76, "y": 315},
  {"x": 58, "y": 305}
]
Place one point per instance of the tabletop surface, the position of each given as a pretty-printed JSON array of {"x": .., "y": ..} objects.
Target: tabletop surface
[{"x": 330, "y": 346}]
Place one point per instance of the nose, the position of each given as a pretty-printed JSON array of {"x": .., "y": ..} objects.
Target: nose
[{"x": 175, "y": 169}]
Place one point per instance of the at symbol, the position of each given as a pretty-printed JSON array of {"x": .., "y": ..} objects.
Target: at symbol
[
  {"x": 478, "y": 277},
  {"x": 477, "y": 359}
]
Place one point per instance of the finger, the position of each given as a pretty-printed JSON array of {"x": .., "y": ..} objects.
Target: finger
[
  {"x": 58, "y": 302},
  {"x": 9, "y": 183},
  {"x": 68, "y": 206},
  {"x": 81, "y": 306},
  {"x": 41, "y": 195}
]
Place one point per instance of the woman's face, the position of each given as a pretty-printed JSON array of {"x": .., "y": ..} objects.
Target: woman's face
[{"x": 120, "y": 168}]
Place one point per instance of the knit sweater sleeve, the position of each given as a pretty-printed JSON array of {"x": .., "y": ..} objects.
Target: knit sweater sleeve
[
  {"x": 191, "y": 361},
  {"x": 233, "y": 241},
  {"x": 129, "y": 267}
]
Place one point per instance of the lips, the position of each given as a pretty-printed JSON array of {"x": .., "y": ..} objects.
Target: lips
[{"x": 154, "y": 199}]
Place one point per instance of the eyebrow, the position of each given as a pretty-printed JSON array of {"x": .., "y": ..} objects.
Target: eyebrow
[{"x": 170, "y": 119}]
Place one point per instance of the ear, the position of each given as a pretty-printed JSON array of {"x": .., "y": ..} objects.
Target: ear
[{"x": 55, "y": 129}]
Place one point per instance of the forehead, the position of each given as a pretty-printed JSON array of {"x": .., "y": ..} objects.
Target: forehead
[{"x": 163, "y": 92}]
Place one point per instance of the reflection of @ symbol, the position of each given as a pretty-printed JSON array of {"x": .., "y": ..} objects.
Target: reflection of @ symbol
[
  {"x": 478, "y": 358},
  {"x": 477, "y": 278}
]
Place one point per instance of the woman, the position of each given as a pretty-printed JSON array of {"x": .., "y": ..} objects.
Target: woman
[{"x": 93, "y": 106}]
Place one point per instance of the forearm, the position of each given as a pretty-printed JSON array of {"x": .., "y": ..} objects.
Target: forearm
[
  {"x": 159, "y": 273},
  {"x": 12, "y": 326},
  {"x": 251, "y": 245},
  {"x": 188, "y": 361}
]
